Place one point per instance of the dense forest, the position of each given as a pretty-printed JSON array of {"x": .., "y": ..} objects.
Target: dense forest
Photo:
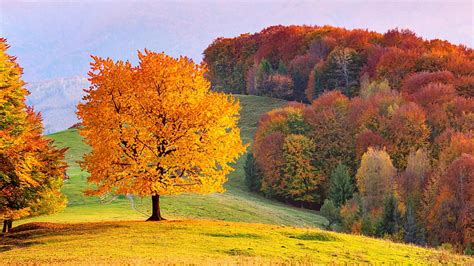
[
  {"x": 301, "y": 62},
  {"x": 379, "y": 164},
  {"x": 386, "y": 147}
]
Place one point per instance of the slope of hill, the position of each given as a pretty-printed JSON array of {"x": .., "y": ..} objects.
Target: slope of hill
[
  {"x": 236, "y": 204},
  {"x": 204, "y": 242}
]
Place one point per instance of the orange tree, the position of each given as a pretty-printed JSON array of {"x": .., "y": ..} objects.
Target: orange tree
[
  {"x": 157, "y": 129},
  {"x": 31, "y": 169}
]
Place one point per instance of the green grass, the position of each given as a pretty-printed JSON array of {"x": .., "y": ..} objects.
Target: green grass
[
  {"x": 89, "y": 231},
  {"x": 236, "y": 204},
  {"x": 203, "y": 242}
]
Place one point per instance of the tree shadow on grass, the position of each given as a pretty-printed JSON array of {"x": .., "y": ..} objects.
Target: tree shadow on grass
[
  {"x": 27, "y": 235},
  {"x": 236, "y": 235}
]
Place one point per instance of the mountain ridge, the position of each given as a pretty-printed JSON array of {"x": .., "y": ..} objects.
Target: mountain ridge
[{"x": 56, "y": 100}]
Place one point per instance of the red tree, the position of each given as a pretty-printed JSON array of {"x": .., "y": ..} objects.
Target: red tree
[{"x": 452, "y": 215}]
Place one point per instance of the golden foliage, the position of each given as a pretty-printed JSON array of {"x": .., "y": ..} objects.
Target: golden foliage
[
  {"x": 157, "y": 128},
  {"x": 375, "y": 177},
  {"x": 299, "y": 172}
]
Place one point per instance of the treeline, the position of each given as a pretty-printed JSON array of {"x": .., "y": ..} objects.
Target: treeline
[
  {"x": 383, "y": 163},
  {"x": 301, "y": 62}
]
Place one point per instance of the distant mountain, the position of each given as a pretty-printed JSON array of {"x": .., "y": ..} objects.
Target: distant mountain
[{"x": 56, "y": 100}]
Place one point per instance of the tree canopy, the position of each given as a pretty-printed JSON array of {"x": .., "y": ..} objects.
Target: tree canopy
[
  {"x": 324, "y": 58},
  {"x": 156, "y": 128}
]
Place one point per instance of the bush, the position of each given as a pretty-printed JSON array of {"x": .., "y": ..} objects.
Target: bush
[
  {"x": 446, "y": 247},
  {"x": 331, "y": 212},
  {"x": 468, "y": 250},
  {"x": 350, "y": 214}
]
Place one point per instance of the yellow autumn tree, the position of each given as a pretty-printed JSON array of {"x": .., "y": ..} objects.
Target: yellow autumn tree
[
  {"x": 157, "y": 129},
  {"x": 301, "y": 178},
  {"x": 375, "y": 178}
]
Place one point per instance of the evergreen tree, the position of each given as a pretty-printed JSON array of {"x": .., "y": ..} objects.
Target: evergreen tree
[
  {"x": 297, "y": 124},
  {"x": 282, "y": 69},
  {"x": 391, "y": 217},
  {"x": 410, "y": 224},
  {"x": 342, "y": 187},
  {"x": 368, "y": 225},
  {"x": 316, "y": 85},
  {"x": 264, "y": 70},
  {"x": 252, "y": 173}
]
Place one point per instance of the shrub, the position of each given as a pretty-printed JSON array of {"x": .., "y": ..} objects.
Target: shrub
[{"x": 331, "y": 212}]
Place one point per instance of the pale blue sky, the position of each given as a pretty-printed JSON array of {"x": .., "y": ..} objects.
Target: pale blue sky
[{"x": 54, "y": 39}]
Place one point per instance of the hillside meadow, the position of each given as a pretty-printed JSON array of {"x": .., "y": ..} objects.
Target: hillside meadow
[
  {"x": 252, "y": 230},
  {"x": 204, "y": 242},
  {"x": 236, "y": 204}
]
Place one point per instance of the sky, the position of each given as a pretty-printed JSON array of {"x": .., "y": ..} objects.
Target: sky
[{"x": 56, "y": 38}]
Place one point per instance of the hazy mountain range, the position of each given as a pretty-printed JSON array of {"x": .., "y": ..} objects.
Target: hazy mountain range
[
  {"x": 56, "y": 100},
  {"x": 54, "y": 39}
]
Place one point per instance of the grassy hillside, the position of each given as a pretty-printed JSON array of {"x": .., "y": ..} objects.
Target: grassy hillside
[
  {"x": 91, "y": 232},
  {"x": 203, "y": 242},
  {"x": 236, "y": 204}
]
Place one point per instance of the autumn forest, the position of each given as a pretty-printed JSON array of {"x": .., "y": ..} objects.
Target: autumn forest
[
  {"x": 379, "y": 135},
  {"x": 358, "y": 132}
]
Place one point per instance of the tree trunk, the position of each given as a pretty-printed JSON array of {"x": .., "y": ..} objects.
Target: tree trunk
[
  {"x": 156, "y": 214},
  {"x": 7, "y": 226}
]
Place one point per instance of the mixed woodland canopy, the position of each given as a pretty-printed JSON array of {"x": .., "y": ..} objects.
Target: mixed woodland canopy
[{"x": 301, "y": 62}]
